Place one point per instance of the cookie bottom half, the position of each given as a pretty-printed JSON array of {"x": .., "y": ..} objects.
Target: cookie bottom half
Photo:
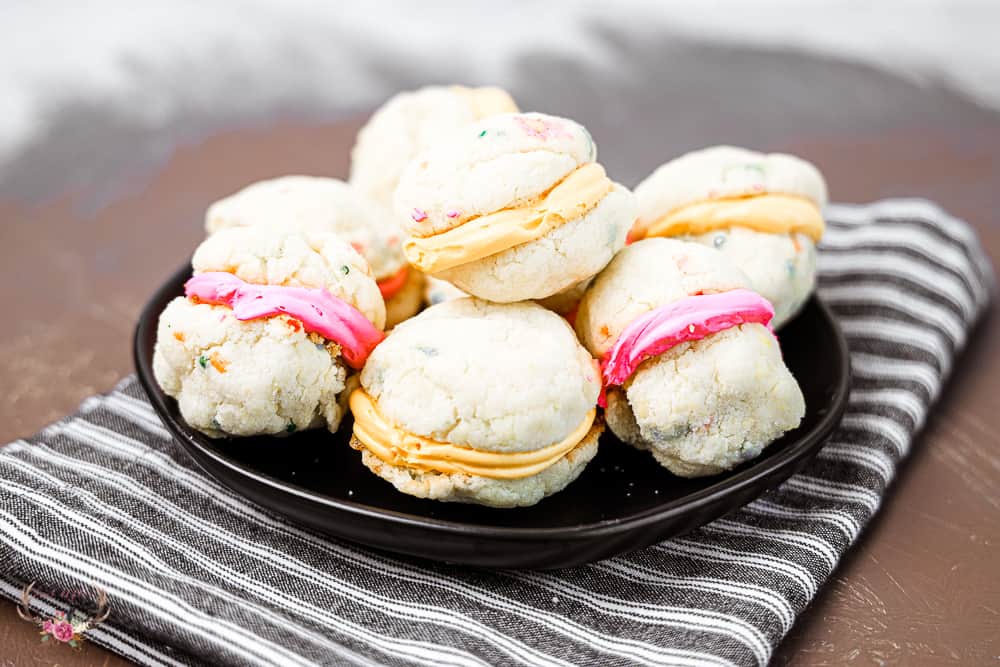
[{"x": 502, "y": 493}]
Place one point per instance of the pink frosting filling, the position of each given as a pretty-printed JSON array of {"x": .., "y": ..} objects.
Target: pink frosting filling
[
  {"x": 691, "y": 318},
  {"x": 319, "y": 311}
]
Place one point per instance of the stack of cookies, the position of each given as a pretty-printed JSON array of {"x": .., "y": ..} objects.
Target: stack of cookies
[{"x": 542, "y": 323}]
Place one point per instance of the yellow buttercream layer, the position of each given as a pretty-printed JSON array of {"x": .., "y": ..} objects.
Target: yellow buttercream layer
[
  {"x": 486, "y": 235},
  {"x": 488, "y": 101},
  {"x": 399, "y": 448},
  {"x": 772, "y": 213}
]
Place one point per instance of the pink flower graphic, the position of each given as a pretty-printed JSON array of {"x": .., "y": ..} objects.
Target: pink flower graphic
[{"x": 62, "y": 631}]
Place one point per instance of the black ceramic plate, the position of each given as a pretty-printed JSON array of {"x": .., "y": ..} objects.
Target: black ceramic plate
[{"x": 623, "y": 500}]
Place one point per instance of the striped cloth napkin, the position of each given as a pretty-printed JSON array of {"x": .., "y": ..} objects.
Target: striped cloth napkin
[{"x": 196, "y": 574}]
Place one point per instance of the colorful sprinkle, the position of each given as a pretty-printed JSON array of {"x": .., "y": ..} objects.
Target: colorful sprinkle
[
  {"x": 418, "y": 215},
  {"x": 719, "y": 240},
  {"x": 482, "y": 134},
  {"x": 291, "y": 428},
  {"x": 179, "y": 335},
  {"x": 216, "y": 425},
  {"x": 541, "y": 128},
  {"x": 345, "y": 269},
  {"x": 453, "y": 213},
  {"x": 742, "y": 169},
  {"x": 203, "y": 361},
  {"x": 217, "y": 363}
]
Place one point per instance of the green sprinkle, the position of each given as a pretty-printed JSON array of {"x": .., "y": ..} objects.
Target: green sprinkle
[
  {"x": 482, "y": 134},
  {"x": 216, "y": 425},
  {"x": 203, "y": 361},
  {"x": 291, "y": 427},
  {"x": 346, "y": 269}
]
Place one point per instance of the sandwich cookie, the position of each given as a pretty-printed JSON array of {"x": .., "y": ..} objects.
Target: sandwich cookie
[
  {"x": 438, "y": 291},
  {"x": 762, "y": 210},
  {"x": 513, "y": 208},
  {"x": 478, "y": 402},
  {"x": 408, "y": 123},
  {"x": 315, "y": 204},
  {"x": 270, "y": 323},
  {"x": 692, "y": 372},
  {"x": 562, "y": 303}
]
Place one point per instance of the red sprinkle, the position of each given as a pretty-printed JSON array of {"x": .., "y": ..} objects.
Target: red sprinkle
[{"x": 453, "y": 213}]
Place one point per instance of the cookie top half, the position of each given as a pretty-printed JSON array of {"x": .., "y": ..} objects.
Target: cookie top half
[
  {"x": 501, "y": 162},
  {"x": 314, "y": 204},
  {"x": 410, "y": 122},
  {"x": 647, "y": 275},
  {"x": 726, "y": 172},
  {"x": 271, "y": 256}
]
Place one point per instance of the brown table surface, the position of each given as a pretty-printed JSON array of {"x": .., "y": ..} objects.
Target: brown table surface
[{"x": 86, "y": 235}]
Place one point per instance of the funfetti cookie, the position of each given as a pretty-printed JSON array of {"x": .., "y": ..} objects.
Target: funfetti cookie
[
  {"x": 408, "y": 123},
  {"x": 316, "y": 204},
  {"x": 270, "y": 324},
  {"x": 513, "y": 208},
  {"x": 438, "y": 291},
  {"x": 692, "y": 372},
  {"x": 562, "y": 303},
  {"x": 478, "y": 402},
  {"x": 762, "y": 210}
]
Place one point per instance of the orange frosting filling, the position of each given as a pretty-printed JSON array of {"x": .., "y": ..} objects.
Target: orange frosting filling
[
  {"x": 485, "y": 235},
  {"x": 390, "y": 286},
  {"x": 400, "y": 448},
  {"x": 772, "y": 213}
]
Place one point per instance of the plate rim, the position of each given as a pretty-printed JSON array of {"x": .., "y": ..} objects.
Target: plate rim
[{"x": 717, "y": 492}]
